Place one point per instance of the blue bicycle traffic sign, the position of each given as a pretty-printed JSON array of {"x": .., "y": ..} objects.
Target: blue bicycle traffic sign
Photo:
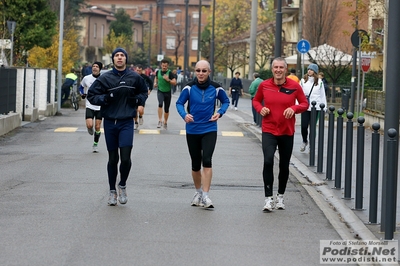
[{"x": 303, "y": 46}]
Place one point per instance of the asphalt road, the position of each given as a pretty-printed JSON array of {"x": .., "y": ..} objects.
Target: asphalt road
[{"x": 54, "y": 191}]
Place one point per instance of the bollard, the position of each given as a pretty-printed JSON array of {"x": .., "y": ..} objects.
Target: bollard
[
  {"x": 331, "y": 127},
  {"x": 360, "y": 163},
  {"x": 313, "y": 121},
  {"x": 321, "y": 138},
  {"x": 339, "y": 149},
  {"x": 390, "y": 219},
  {"x": 348, "y": 156},
  {"x": 373, "y": 190}
]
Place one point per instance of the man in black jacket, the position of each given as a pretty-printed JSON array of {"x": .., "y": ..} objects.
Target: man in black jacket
[{"x": 118, "y": 92}]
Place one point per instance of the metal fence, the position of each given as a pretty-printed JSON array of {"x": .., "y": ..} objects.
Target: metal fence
[{"x": 8, "y": 90}]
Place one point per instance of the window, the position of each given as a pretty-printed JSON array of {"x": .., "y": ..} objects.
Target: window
[
  {"x": 195, "y": 18},
  {"x": 171, "y": 18},
  {"x": 194, "y": 44},
  {"x": 95, "y": 30},
  {"x": 102, "y": 35},
  {"x": 170, "y": 42}
]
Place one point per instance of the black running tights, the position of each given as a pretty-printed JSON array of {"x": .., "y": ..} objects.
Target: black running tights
[{"x": 124, "y": 168}]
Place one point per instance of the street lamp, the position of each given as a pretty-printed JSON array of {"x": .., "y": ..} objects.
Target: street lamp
[
  {"x": 150, "y": 18},
  {"x": 186, "y": 53}
]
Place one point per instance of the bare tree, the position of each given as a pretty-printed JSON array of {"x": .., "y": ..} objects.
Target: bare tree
[
  {"x": 320, "y": 17},
  {"x": 265, "y": 45}
]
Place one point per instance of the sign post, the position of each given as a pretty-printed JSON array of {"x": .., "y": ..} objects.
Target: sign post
[
  {"x": 303, "y": 46},
  {"x": 365, "y": 66}
]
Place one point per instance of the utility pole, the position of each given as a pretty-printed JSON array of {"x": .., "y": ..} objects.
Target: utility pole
[
  {"x": 186, "y": 53},
  {"x": 298, "y": 64},
  {"x": 60, "y": 54},
  {"x": 199, "y": 34},
  {"x": 278, "y": 32},
  {"x": 253, "y": 38},
  {"x": 212, "y": 42}
]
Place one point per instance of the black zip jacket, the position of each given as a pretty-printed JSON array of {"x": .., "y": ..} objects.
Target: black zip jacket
[{"x": 118, "y": 93}]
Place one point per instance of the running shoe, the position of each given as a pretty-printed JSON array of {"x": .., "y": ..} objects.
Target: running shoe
[
  {"x": 206, "y": 202},
  {"x": 112, "y": 200},
  {"x": 136, "y": 126},
  {"x": 90, "y": 130},
  {"x": 159, "y": 124},
  {"x": 196, "y": 201},
  {"x": 269, "y": 204},
  {"x": 122, "y": 198},
  {"x": 95, "y": 148},
  {"x": 235, "y": 108},
  {"x": 165, "y": 126},
  {"x": 303, "y": 146},
  {"x": 140, "y": 120},
  {"x": 279, "y": 202}
]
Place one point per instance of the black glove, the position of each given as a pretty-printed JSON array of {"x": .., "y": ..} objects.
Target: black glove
[
  {"x": 133, "y": 101},
  {"x": 84, "y": 96},
  {"x": 110, "y": 97}
]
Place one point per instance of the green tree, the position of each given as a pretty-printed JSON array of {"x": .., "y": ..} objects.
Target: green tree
[
  {"x": 35, "y": 25},
  {"x": 122, "y": 25},
  {"x": 72, "y": 13}
]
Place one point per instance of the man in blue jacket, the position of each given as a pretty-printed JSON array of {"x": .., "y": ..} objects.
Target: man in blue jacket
[
  {"x": 201, "y": 127},
  {"x": 118, "y": 92}
]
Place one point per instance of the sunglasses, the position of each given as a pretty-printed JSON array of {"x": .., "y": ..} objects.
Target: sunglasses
[{"x": 201, "y": 70}]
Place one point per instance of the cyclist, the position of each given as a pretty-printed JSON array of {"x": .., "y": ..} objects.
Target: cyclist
[
  {"x": 92, "y": 111},
  {"x": 70, "y": 80}
]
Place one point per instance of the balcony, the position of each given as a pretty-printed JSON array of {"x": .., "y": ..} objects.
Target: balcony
[{"x": 288, "y": 6}]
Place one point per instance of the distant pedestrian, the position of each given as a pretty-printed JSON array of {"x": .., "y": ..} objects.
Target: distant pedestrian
[
  {"x": 314, "y": 90},
  {"x": 201, "y": 127},
  {"x": 276, "y": 101},
  {"x": 118, "y": 92},
  {"x": 149, "y": 84},
  {"x": 321, "y": 76},
  {"x": 253, "y": 90},
  {"x": 235, "y": 90},
  {"x": 92, "y": 111},
  {"x": 293, "y": 76}
]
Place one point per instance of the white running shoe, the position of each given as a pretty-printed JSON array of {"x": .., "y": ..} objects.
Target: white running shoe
[
  {"x": 95, "y": 148},
  {"x": 235, "y": 108},
  {"x": 303, "y": 146},
  {"x": 122, "y": 198},
  {"x": 206, "y": 203},
  {"x": 112, "y": 200},
  {"x": 136, "y": 126},
  {"x": 140, "y": 120},
  {"x": 269, "y": 204},
  {"x": 196, "y": 201},
  {"x": 279, "y": 202},
  {"x": 159, "y": 124}
]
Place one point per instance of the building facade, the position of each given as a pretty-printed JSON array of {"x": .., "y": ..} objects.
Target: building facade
[{"x": 160, "y": 26}]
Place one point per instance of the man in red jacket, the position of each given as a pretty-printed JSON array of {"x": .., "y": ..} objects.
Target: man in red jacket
[{"x": 275, "y": 100}]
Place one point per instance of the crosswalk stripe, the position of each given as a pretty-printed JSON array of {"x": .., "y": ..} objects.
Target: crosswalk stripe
[
  {"x": 232, "y": 133},
  {"x": 146, "y": 131},
  {"x": 66, "y": 129},
  {"x": 149, "y": 131}
]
